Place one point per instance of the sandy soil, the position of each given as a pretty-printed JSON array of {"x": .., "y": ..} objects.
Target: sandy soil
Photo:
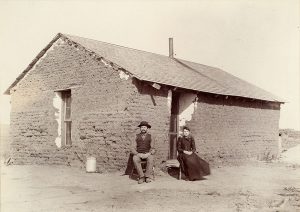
[
  {"x": 292, "y": 155},
  {"x": 256, "y": 187}
]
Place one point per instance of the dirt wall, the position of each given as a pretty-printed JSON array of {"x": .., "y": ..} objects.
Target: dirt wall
[
  {"x": 231, "y": 130},
  {"x": 107, "y": 105}
]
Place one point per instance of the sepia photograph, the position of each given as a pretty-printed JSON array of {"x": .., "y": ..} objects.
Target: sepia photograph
[{"x": 150, "y": 106}]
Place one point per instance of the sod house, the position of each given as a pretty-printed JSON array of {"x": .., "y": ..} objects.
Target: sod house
[{"x": 81, "y": 97}]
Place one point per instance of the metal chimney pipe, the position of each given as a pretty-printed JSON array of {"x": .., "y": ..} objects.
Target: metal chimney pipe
[{"x": 171, "y": 51}]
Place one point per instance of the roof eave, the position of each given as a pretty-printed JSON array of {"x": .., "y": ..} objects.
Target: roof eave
[{"x": 280, "y": 101}]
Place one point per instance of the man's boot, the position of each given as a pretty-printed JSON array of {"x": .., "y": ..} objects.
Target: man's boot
[
  {"x": 141, "y": 180},
  {"x": 148, "y": 180}
]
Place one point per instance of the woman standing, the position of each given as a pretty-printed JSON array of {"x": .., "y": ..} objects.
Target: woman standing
[{"x": 192, "y": 165}]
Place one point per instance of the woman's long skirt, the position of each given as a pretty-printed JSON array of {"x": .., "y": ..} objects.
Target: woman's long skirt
[{"x": 193, "y": 166}]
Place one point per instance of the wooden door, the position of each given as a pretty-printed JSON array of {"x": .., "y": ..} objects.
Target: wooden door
[{"x": 173, "y": 132}]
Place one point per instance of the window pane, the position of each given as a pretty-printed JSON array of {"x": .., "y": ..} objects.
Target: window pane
[
  {"x": 68, "y": 113},
  {"x": 68, "y": 133},
  {"x": 68, "y": 99}
]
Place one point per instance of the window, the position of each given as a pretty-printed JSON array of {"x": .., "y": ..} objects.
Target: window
[{"x": 66, "y": 119}]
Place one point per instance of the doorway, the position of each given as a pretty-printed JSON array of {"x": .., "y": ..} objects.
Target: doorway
[{"x": 174, "y": 125}]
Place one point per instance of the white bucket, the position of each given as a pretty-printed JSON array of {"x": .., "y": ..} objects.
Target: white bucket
[{"x": 91, "y": 164}]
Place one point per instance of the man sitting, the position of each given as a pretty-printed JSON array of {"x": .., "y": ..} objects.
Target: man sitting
[{"x": 143, "y": 149}]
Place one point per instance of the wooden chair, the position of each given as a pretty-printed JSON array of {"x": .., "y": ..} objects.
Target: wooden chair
[
  {"x": 144, "y": 165},
  {"x": 174, "y": 163}
]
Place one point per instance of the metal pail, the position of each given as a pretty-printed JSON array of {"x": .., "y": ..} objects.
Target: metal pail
[{"x": 91, "y": 164}]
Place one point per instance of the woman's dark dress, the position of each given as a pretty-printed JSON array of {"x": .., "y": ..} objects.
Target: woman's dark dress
[{"x": 192, "y": 165}]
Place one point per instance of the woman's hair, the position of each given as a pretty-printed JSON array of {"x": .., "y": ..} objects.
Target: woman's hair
[{"x": 186, "y": 128}]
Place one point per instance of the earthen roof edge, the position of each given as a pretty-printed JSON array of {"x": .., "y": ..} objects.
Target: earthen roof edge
[{"x": 33, "y": 62}]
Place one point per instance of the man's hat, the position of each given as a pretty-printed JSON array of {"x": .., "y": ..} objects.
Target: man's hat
[{"x": 144, "y": 123}]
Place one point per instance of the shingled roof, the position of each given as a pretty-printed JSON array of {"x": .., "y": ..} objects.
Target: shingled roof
[{"x": 162, "y": 69}]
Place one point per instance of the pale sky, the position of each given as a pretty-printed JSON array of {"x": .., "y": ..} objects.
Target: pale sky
[{"x": 255, "y": 40}]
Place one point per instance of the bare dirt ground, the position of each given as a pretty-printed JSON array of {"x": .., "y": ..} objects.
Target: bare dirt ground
[{"x": 257, "y": 186}]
